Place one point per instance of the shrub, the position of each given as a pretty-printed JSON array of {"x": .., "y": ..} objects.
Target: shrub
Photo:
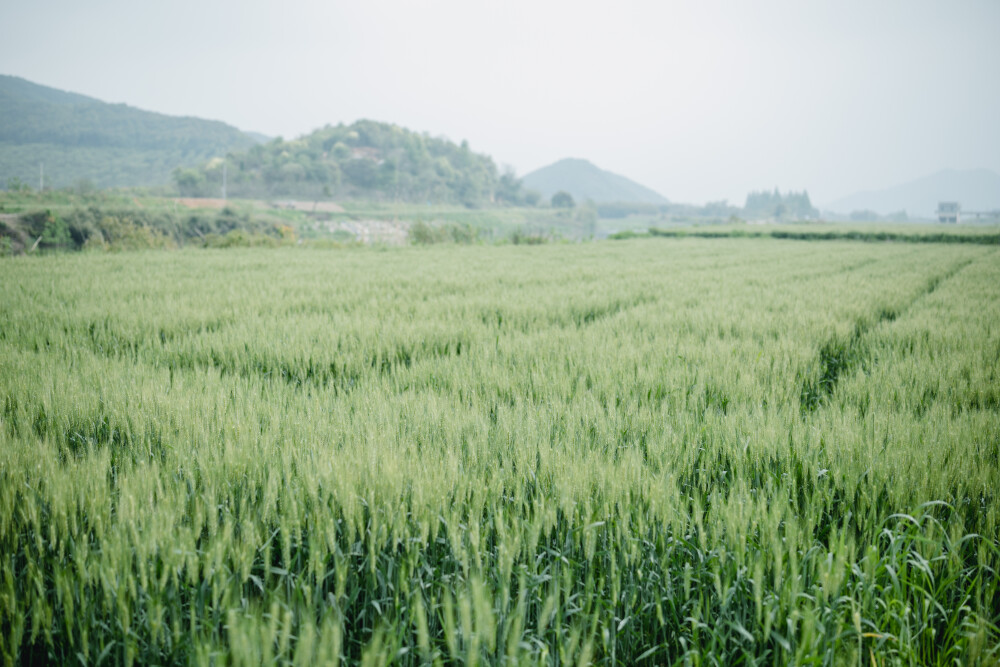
[
  {"x": 422, "y": 233},
  {"x": 119, "y": 233},
  {"x": 239, "y": 238}
]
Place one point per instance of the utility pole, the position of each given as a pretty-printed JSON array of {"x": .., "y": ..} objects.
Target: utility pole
[
  {"x": 41, "y": 176},
  {"x": 224, "y": 165}
]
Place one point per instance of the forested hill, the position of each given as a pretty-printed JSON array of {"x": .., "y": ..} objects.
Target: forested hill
[
  {"x": 364, "y": 160},
  {"x": 80, "y": 140}
]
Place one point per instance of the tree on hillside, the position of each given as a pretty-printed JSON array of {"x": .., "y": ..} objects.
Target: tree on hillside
[
  {"x": 509, "y": 188},
  {"x": 563, "y": 199},
  {"x": 190, "y": 182}
]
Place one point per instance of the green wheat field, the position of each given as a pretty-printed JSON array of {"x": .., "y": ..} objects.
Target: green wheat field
[{"x": 655, "y": 451}]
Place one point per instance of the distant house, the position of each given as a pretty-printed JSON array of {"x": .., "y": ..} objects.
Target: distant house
[{"x": 948, "y": 211}]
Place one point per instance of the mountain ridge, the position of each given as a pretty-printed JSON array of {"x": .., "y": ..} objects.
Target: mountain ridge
[
  {"x": 974, "y": 189},
  {"x": 83, "y": 139},
  {"x": 584, "y": 180}
]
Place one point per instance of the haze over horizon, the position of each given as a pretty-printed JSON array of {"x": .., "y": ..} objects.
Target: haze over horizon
[{"x": 698, "y": 101}]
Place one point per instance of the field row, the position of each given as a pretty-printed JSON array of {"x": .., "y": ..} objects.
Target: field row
[{"x": 688, "y": 450}]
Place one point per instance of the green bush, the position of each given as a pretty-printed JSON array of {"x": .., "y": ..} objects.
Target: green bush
[
  {"x": 422, "y": 233},
  {"x": 240, "y": 238},
  {"x": 520, "y": 237},
  {"x": 123, "y": 234},
  {"x": 49, "y": 230}
]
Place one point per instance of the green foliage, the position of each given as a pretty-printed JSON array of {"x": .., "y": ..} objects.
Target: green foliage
[
  {"x": 190, "y": 182},
  {"x": 114, "y": 226},
  {"x": 915, "y": 234},
  {"x": 572, "y": 454},
  {"x": 422, "y": 233},
  {"x": 15, "y": 184},
  {"x": 48, "y": 230},
  {"x": 793, "y": 205},
  {"x": 624, "y": 235},
  {"x": 532, "y": 197},
  {"x": 364, "y": 160},
  {"x": 523, "y": 237},
  {"x": 118, "y": 233},
  {"x": 563, "y": 199},
  {"x": 509, "y": 189},
  {"x": 239, "y": 238}
]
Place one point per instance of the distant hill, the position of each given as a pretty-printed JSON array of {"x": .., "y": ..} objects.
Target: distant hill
[
  {"x": 79, "y": 138},
  {"x": 586, "y": 181},
  {"x": 974, "y": 189},
  {"x": 364, "y": 160}
]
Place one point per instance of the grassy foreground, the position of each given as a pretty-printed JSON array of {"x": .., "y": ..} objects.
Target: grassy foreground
[{"x": 732, "y": 451}]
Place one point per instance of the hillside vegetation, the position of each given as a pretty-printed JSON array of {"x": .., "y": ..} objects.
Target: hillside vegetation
[
  {"x": 81, "y": 140},
  {"x": 364, "y": 160},
  {"x": 57, "y": 221},
  {"x": 68, "y": 220}
]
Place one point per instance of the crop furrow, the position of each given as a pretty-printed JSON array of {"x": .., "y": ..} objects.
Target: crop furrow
[{"x": 837, "y": 355}]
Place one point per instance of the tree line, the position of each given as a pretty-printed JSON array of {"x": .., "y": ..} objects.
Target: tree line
[{"x": 773, "y": 204}]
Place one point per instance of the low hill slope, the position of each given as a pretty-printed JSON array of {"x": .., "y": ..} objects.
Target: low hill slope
[
  {"x": 79, "y": 138},
  {"x": 974, "y": 189},
  {"x": 586, "y": 181}
]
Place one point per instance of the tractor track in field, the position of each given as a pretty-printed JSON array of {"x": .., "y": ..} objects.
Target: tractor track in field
[{"x": 838, "y": 355}]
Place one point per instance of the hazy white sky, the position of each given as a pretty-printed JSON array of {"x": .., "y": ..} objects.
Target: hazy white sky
[{"x": 698, "y": 100}]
